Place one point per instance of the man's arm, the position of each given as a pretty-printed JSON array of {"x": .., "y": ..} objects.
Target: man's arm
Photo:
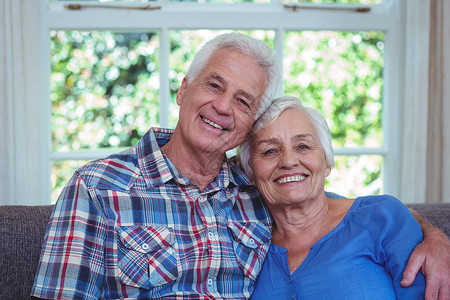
[{"x": 432, "y": 258}]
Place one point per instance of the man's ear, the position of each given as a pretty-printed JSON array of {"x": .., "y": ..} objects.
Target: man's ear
[{"x": 181, "y": 90}]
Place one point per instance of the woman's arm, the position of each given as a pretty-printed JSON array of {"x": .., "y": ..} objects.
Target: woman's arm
[{"x": 432, "y": 258}]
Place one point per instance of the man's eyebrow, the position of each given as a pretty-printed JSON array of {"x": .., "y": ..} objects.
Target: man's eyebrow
[
  {"x": 216, "y": 76},
  {"x": 222, "y": 80},
  {"x": 248, "y": 96}
]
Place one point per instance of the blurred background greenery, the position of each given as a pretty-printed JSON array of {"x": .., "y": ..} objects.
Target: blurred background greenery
[{"x": 105, "y": 92}]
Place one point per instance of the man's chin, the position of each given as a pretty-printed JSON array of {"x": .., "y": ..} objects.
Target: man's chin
[{"x": 217, "y": 145}]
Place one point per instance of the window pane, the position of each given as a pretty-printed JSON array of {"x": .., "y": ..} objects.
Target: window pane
[
  {"x": 333, "y": 1},
  {"x": 62, "y": 171},
  {"x": 243, "y": 1},
  {"x": 101, "y": 1},
  {"x": 356, "y": 176},
  {"x": 183, "y": 46},
  {"x": 104, "y": 88},
  {"x": 223, "y": 1},
  {"x": 199, "y": 1},
  {"x": 341, "y": 75}
]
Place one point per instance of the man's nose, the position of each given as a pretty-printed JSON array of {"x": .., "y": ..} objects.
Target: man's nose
[{"x": 223, "y": 104}]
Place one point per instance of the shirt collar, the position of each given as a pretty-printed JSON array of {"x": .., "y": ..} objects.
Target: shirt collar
[
  {"x": 151, "y": 159},
  {"x": 157, "y": 169}
]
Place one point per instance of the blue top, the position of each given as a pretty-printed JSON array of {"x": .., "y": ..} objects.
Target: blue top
[{"x": 362, "y": 258}]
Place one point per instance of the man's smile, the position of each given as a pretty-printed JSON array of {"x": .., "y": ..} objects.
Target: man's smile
[{"x": 215, "y": 125}]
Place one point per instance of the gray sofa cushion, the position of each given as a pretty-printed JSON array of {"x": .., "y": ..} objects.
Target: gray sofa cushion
[
  {"x": 438, "y": 214},
  {"x": 22, "y": 230}
]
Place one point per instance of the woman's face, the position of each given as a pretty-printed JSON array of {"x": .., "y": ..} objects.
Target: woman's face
[{"x": 288, "y": 161}]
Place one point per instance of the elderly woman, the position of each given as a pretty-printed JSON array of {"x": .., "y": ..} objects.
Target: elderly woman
[{"x": 323, "y": 248}]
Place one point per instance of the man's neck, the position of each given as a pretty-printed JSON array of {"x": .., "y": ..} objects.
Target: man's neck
[{"x": 200, "y": 168}]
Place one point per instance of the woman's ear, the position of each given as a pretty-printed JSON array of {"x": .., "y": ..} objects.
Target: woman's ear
[{"x": 327, "y": 171}]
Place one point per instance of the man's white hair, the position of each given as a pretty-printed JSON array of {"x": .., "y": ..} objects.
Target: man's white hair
[{"x": 258, "y": 50}]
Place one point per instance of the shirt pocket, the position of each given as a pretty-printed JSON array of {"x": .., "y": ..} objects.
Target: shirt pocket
[
  {"x": 146, "y": 256},
  {"x": 251, "y": 243}
]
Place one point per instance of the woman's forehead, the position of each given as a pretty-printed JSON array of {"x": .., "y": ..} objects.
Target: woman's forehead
[{"x": 293, "y": 120}]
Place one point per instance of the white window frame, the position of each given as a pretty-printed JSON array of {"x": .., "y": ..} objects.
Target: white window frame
[{"x": 273, "y": 16}]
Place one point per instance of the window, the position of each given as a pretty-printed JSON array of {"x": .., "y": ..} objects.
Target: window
[{"x": 115, "y": 74}]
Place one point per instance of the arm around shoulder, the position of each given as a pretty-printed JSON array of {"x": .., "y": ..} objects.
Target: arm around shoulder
[{"x": 432, "y": 258}]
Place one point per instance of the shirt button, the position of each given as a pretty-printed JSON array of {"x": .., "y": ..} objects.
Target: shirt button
[
  {"x": 145, "y": 246},
  {"x": 252, "y": 241},
  {"x": 211, "y": 235},
  {"x": 210, "y": 281}
]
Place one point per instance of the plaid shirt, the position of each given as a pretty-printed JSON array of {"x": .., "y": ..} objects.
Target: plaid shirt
[{"x": 130, "y": 226}]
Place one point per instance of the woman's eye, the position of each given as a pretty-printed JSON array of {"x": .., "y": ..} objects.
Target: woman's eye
[
  {"x": 303, "y": 147},
  {"x": 269, "y": 152}
]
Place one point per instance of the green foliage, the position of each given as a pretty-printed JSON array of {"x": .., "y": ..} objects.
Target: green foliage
[
  {"x": 341, "y": 75},
  {"x": 249, "y": 1},
  {"x": 105, "y": 90},
  {"x": 340, "y": 1}
]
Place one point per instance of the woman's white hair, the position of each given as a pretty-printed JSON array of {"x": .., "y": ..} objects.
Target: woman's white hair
[
  {"x": 271, "y": 114},
  {"x": 256, "y": 49}
]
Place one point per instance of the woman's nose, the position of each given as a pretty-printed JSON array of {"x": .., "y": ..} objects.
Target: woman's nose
[{"x": 288, "y": 159}]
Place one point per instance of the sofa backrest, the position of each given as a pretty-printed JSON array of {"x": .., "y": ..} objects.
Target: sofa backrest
[
  {"x": 22, "y": 230},
  {"x": 438, "y": 214}
]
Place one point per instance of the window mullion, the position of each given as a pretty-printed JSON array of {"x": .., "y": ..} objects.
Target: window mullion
[
  {"x": 164, "y": 92},
  {"x": 279, "y": 45},
  {"x": 82, "y": 155},
  {"x": 360, "y": 151},
  {"x": 45, "y": 113}
]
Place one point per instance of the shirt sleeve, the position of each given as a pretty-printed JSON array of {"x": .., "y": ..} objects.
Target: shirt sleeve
[
  {"x": 72, "y": 258},
  {"x": 396, "y": 233}
]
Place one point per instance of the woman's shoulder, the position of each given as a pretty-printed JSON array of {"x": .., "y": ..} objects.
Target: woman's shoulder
[
  {"x": 381, "y": 202},
  {"x": 382, "y": 208}
]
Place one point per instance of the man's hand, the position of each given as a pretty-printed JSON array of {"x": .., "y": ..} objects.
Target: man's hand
[{"x": 432, "y": 258}]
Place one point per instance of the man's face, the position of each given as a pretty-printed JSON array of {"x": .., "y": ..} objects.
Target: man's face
[{"x": 217, "y": 109}]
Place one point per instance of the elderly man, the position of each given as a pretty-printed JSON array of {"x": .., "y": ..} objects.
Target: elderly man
[{"x": 171, "y": 217}]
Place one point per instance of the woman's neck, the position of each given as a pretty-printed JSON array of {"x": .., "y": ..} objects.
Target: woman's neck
[
  {"x": 302, "y": 220},
  {"x": 298, "y": 228}
]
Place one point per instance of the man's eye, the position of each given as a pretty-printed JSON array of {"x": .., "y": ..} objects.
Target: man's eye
[
  {"x": 244, "y": 102},
  {"x": 214, "y": 85}
]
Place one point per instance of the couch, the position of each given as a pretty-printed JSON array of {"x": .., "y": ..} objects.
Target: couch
[{"x": 22, "y": 230}]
